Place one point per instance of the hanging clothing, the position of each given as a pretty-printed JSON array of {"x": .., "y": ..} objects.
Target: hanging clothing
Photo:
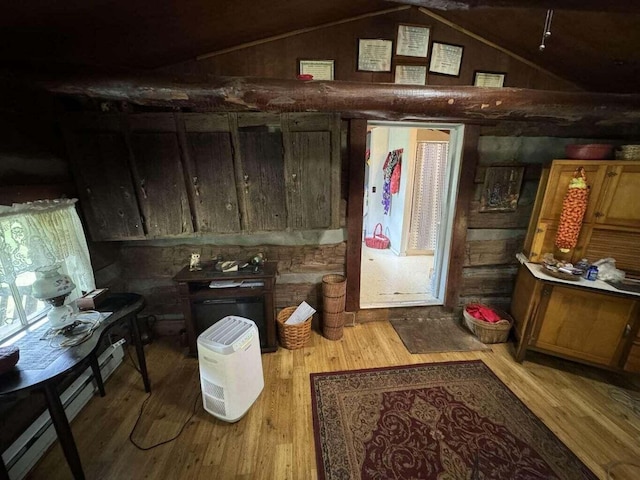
[
  {"x": 395, "y": 179},
  {"x": 391, "y": 164}
]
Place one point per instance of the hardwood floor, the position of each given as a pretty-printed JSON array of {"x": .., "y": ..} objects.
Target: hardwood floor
[{"x": 275, "y": 438}]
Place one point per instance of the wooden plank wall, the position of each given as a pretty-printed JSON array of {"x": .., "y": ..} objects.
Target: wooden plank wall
[
  {"x": 494, "y": 238},
  {"x": 150, "y": 269},
  {"x": 279, "y": 58}
]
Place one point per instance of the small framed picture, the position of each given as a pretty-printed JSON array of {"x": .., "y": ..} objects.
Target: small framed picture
[
  {"x": 501, "y": 189},
  {"x": 319, "y": 69},
  {"x": 412, "y": 41},
  {"x": 488, "y": 79},
  {"x": 374, "y": 55},
  {"x": 446, "y": 59},
  {"x": 410, "y": 74}
]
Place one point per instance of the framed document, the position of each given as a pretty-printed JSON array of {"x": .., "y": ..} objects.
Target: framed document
[
  {"x": 411, "y": 74},
  {"x": 412, "y": 41},
  {"x": 374, "y": 55},
  {"x": 446, "y": 59},
  {"x": 488, "y": 79},
  {"x": 320, "y": 69}
]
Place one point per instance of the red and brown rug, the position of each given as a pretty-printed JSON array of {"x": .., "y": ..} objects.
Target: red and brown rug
[{"x": 453, "y": 420}]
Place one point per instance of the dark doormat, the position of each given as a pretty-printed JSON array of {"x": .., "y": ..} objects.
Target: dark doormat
[{"x": 432, "y": 335}]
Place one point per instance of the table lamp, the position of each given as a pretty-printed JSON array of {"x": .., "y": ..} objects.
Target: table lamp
[{"x": 53, "y": 287}]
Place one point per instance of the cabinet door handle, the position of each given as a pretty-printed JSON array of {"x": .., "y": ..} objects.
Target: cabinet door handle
[
  {"x": 627, "y": 331},
  {"x": 143, "y": 188},
  {"x": 196, "y": 187},
  {"x": 598, "y": 214}
]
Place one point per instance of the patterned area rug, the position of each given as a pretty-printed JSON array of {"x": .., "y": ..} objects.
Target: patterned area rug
[{"x": 445, "y": 421}]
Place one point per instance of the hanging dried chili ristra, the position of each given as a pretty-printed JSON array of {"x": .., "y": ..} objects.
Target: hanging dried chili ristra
[{"x": 574, "y": 206}]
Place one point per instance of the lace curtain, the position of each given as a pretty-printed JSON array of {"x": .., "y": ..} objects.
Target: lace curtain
[{"x": 46, "y": 232}]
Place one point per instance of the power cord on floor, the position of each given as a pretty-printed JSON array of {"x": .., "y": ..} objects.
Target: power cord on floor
[
  {"x": 139, "y": 447},
  {"x": 133, "y": 363}
]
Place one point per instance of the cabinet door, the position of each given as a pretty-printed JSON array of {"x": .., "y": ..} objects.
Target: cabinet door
[
  {"x": 260, "y": 172},
  {"x": 583, "y": 325},
  {"x": 311, "y": 170},
  {"x": 210, "y": 172},
  {"x": 160, "y": 181},
  {"x": 105, "y": 186},
  {"x": 560, "y": 175},
  {"x": 617, "y": 205},
  {"x": 633, "y": 359}
]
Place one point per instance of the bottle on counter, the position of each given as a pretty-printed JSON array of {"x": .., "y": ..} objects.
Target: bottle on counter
[{"x": 592, "y": 273}]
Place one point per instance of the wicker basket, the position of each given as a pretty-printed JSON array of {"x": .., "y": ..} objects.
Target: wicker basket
[
  {"x": 378, "y": 240},
  {"x": 293, "y": 336},
  {"x": 334, "y": 290},
  {"x": 489, "y": 332},
  {"x": 628, "y": 152},
  {"x": 332, "y": 325}
]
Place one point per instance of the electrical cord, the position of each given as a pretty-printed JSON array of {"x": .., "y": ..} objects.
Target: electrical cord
[
  {"x": 133, "y": 363},
  {"x": 150, "y": 447}
]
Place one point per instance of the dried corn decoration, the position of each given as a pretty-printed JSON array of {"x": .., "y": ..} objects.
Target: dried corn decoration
[{"x": 574, "y": 206}]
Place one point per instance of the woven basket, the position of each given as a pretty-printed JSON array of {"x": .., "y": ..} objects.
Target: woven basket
[
  {"x": 334, "y": 285},
  {"x": 489, "y": 332},
  {"x": 628, "y": 152},
  {"x": 293, "y": 336},
  {"x": 378, "y": 240},
  {"x": 332, "y": 325}
]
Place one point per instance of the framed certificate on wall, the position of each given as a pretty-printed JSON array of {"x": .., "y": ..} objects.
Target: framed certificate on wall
[
  {"x": 374, "y": 55},
  {"x": 411, "y": 74},
  {"x": 489, "y": 79},
  {"x": 319, "y": 69},
  {"x": 412, "y": 41},
  {"x": 446, "y": 59}
]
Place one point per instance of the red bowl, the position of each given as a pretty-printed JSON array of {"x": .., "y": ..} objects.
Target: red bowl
[{"x": 590, "y": 151}]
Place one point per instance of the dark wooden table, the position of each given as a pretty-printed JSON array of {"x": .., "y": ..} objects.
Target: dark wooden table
[
  {"x": 124, "y": 306},
  {"x": 194, "y": 288}
]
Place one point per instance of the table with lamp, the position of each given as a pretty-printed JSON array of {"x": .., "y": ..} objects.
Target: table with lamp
[{"x": 30, "y": 374}]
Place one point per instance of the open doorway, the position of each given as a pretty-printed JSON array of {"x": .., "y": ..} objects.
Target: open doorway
[{"x": 410, "y": 186}]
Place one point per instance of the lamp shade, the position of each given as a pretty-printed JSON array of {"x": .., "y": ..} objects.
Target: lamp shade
[{"x": 50, "y": 283}]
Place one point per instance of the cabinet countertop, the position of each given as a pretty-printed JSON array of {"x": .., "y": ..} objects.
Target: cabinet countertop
[{"x": 537, "y": 271}]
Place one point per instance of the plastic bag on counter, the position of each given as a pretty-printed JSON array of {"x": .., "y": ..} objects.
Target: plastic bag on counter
[{"x": 607, "y": 270}]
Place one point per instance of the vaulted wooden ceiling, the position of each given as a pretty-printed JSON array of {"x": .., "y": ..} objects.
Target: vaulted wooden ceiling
[{"x": 594, "y": 44}]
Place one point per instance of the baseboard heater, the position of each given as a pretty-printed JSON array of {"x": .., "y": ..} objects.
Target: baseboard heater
[{"x": 25, "y": 452}]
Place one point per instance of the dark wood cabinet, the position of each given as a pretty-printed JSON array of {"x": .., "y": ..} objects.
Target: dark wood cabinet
[
  {"x": 160, "y": 182},
  {"x": 161, "y": 175},
  {"x": 100, "y": 164},
  {"x": 202, "y": 305}
]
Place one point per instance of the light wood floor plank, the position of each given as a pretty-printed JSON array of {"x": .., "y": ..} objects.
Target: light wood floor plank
[{"x": 275, "y": 438}]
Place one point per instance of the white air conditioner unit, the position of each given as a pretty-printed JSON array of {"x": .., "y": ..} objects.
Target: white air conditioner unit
[{"x": 230, "y": 367}]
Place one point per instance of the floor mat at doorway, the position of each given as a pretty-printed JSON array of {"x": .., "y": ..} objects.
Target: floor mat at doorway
[{"x": 432, "y": 335}]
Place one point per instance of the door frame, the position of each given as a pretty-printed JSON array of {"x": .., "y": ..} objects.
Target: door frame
[{"x": 468, "y": 143}]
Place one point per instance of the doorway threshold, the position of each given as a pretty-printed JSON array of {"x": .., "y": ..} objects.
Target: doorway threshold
[{"x": 396, "y": 304}]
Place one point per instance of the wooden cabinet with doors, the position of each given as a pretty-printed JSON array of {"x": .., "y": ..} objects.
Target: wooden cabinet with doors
[
  {"x": 611, "y": 225},
  {"x": 100, "y": 162},
  {"x": 158, "y": 174},
  {"x": 581, "y": 322},
  {"x": 174, "y": 174}
]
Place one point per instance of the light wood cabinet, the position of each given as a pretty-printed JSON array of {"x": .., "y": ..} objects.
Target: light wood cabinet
[
  {"x": 577, "y": 323},
  {"x": 162, "y": 175},
  {"x": 617, "y": 202},
  {"x": 611, "y": 225}
]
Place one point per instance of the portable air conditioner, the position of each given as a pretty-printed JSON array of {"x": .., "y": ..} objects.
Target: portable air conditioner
[{"x": 230, "y": 367}]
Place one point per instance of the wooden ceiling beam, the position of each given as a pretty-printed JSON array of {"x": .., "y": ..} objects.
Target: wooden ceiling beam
[
  {"x": 627, "y": 6},
  {"x": 485, "y": 106}
]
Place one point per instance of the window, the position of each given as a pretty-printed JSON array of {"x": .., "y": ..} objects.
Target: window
[{"x": 35, "y": 235}]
